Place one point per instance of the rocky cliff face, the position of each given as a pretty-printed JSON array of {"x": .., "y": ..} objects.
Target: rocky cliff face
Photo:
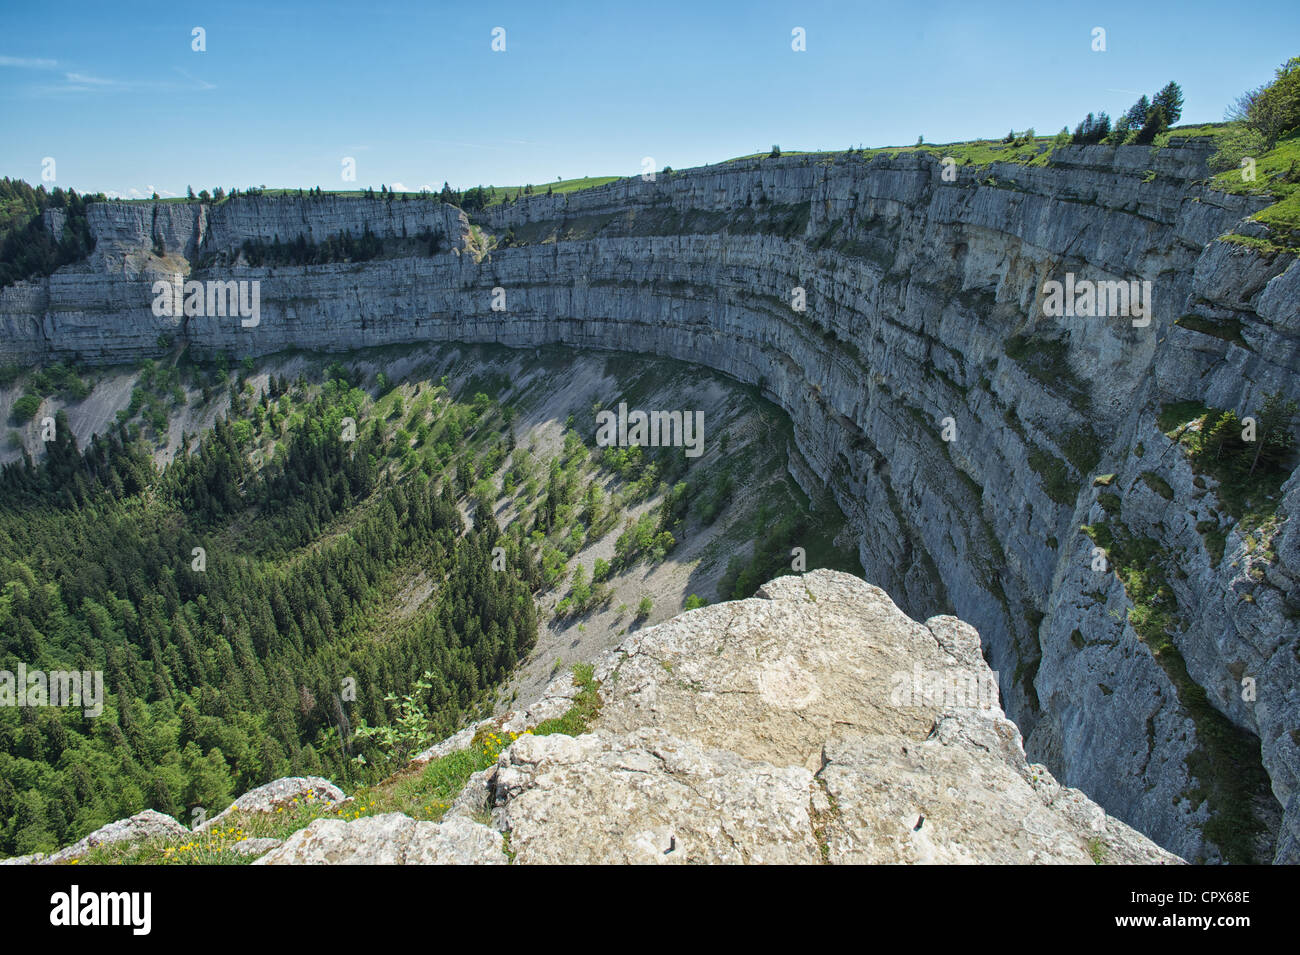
[{"x": 923, "y": 303}]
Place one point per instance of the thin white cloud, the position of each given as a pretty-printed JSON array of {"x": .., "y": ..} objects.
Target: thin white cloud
[
  {"x": 28, "y": 63},
  {"x": 74, "y": 82},
  {"x": 86, "y": 79},
  {"x": 66, "y": 87},
  {"x": 133, "y": 193},
  {"x": 200, "y": 84}
]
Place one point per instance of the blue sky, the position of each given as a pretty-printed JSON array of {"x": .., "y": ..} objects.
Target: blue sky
[{"x": 416, "y": 95}]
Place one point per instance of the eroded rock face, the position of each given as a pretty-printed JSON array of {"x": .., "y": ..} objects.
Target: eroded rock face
[{"x": 923, "y": 304}]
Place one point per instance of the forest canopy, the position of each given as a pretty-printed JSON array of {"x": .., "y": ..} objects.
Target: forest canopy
[{"x": 259, "y": 660}]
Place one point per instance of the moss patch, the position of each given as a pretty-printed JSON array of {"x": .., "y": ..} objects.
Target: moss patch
[{"x": 1228, "y": 330}]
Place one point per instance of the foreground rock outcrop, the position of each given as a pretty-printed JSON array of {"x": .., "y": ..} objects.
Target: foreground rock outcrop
[
  {"x": 291, "y": 790},
  {"x": 814, "y": 722},
  {"x": 149, "y": 824},
  {"x": 390, "y": 839}
]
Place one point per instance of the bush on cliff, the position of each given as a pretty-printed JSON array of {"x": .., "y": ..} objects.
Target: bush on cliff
[
  {"x": 25, "y": 408},
  {"x": 1272, "y": 110},
  {"x": 1249, "y": 463},
  {"x": 1259, "y": 153}
]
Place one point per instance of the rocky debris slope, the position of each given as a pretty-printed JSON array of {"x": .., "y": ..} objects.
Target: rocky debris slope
[{"x": 923, "y": 306}]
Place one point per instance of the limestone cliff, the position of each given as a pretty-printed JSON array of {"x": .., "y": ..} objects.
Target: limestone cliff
[{"x": 923, "y": 303}]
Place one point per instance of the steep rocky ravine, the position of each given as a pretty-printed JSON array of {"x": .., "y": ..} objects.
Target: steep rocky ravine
[{"x": 923, "y": 302}]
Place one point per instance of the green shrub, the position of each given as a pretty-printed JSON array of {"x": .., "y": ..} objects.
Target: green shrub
[
  {"x": 1055, "y": 476},
  {"x": 586, "y": 706},
  {"x": 1158, "y": 484},
  {"x": 25, "y": 408}
]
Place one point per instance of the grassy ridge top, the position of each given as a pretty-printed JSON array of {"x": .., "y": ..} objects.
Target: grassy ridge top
[
  {"x": 1276, "y": 174},
  {"x": 978, "y": 152},
  {"x": 499, "y": 193}
]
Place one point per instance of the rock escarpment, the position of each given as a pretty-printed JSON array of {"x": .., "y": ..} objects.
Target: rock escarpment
[{"x": 923, "y": 303}]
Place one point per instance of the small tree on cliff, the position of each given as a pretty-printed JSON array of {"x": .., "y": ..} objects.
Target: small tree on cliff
[
  {"x": 1170, "y": 101},
  {"x": 1275, "y": 440},
  {"x": 1092, "y": 130}
]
